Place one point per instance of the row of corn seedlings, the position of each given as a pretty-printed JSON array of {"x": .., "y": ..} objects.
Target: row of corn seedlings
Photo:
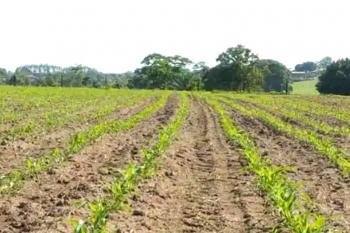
[
  {"x": 292, "y": 205},
  {"x": 323, "y": 145},
  {"x": 119, "y": 190},
  {"x": 49, "y": 121},
  {"x": 303, "y": 104},
  {"x": 299, "y": 116},
  {"x": 32, "y": 167}
]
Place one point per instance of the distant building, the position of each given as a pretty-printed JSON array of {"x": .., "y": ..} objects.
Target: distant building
[{"x": 300, "y": 76}]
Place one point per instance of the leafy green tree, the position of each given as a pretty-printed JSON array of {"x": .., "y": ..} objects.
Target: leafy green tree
[
  {"x": 122, "y": 80},
  {"x": 49, "y": 75},
  {"x": 238, "y": 65},
  {"x": 162, "y": 72},
  {"x": 237, "y": 55},
  {"x": 243, "y": 63},
  {"x": 220, "y": 78},
  {"x": 22, "y": 76},
  {"x": 253, "y": 80},
  {"x": 157, "y": 70},
  {"x": 308, "y": 66},
  {"x": 78, "y": 76},
  {"x": 4, "y": 77},
  {"x": 324, "y": 63},
  {"x": 200, "y": 68},
  {"x": 50, "y": 81},
  {"x": 275, "y": 75},
  {"x": 87, "y": 81},
  {"x": 336, "y": 79},
  {"x": 199, "y": 71},
  {"x": 13, "y": 80}
]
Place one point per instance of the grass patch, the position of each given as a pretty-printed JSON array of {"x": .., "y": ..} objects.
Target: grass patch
[{"x": 307, "y": 87}]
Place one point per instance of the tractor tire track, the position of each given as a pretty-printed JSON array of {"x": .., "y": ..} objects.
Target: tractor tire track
[{"x": 200, "y": 187}]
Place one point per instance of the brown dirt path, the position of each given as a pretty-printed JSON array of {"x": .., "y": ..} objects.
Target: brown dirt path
[
  {"x": 15, "y": 153},
  {"x": 322, "y": 180},
  {"x": 46, "y": 204},
  {"x": 200, "y": 187}
]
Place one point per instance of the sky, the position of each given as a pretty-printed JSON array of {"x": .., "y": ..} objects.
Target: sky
[{"x": 115, "y": 35}]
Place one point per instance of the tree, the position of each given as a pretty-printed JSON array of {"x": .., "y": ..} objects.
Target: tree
[
  {"x": 324, "y": 63},
  {"x": 3, "y": 76},
  {"x": 78, "y": 75},
  {"x": 199, "y": 70},
  {"x": 275, "y": 75},
  {"x": 156, "y": 71},
  {"x": 13, "y": 80},
  {"x": 52, "y": 80},
  {"x": 308, "y": 66},
  {"x": 162, "y": 72},
  {"x": 220, "y": 78},
  {"x": 336, "y": 79},
  {"x": 87, "y": 81},
  {"x": 22, "y": 76},
  {"x": 49, "y": 75},
  {"x": 246, "y": 76}
]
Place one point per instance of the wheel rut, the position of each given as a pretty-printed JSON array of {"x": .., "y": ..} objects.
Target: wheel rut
[{"x": 200, "y": 187}]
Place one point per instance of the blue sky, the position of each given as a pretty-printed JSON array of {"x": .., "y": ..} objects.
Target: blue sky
[{"x": 115, "y": 35}]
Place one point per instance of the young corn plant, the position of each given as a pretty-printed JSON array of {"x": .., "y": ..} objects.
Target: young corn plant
[
  {"x": 33, "y": 167},
  {"x": 280, "y": 190},
  {"x": 120, "y": 189},
  {"x": 296, "y": 115},
  {"x": 322, "y": 145}
]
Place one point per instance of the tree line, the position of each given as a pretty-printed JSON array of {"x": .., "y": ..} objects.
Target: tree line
[
  {"x": 238, "y": 69},
  {"x": 49, "y": 75}
]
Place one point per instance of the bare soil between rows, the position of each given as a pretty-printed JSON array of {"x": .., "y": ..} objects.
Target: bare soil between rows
[
  {"x": 321, "y": 179},
  {"x": 15, "y": 153},
  {"x": 340, "y": 141},
  {"x": 201, "y": 186},
  {"x": 49, "y": 202}
]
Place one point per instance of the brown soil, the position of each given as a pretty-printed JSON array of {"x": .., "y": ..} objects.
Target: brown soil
[
  {"x": 47, "y": 203},
  {"x": 330, "y": 121},
  {"x": 35, "y": 115},
  {"x": 15, "y": 153},
  {"x": 321, "y": 180},
  {"x": 200, "y": 187},
  {"x": 291, "y": 121},
  {"x": 340, "y": 141}
]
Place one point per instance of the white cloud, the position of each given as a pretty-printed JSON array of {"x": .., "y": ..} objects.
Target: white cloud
[{"x": 115, "y": 35}]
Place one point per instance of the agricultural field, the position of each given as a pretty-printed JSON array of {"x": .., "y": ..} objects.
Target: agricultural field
[
  {"x": 307, "y": 87},
  {"x": 104, "y": 160}
]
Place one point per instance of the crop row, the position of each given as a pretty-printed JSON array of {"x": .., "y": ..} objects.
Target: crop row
[
  {"x": 40, "y": 104},
  {"x": 301, "y": 104},
  {"x": 121, "y": 187},
  {"x": 323, "y": 145},
  {"x": 298, "y": 116},
  {"x": 284, "y": 194},
  {"x": 334, "y": 102},
  {"x": 22, "y": 99},
  {"x": 32, "y": 167},
  {"x": 50, "y": 121},
  {"x": 23, "y": 102},
  {"x": 18, "y": 114}
]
